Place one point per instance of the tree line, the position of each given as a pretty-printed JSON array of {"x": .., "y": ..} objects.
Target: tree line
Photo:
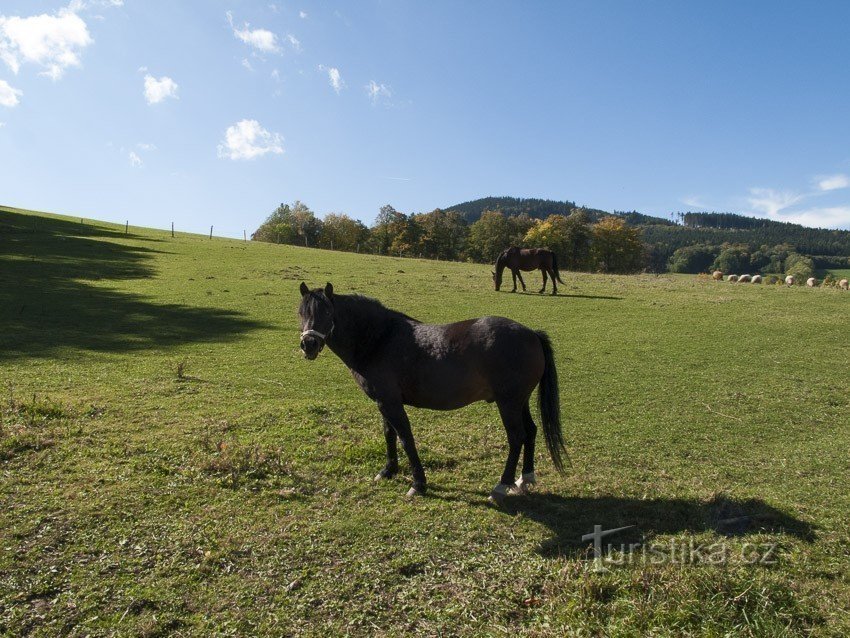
[
  {"x": 607, "y": 244},
  {"x": 583, "y": 238}
]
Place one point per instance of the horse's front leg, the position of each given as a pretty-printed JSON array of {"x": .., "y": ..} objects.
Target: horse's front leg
[
  {"x": 543, "y": 289},
  {"x": 519, "y": 274},
  {"x": 391, "y": 468},
  {"x": 393, "y": 412},
  {"x": 513, "y": 274}
]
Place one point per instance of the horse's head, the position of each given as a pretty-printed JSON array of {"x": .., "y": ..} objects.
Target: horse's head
[
  {"x": 317, "y": 318},
  {"x": 497, "y": 274}
]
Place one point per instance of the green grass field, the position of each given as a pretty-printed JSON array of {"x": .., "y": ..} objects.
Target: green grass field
[{"x": 170, "y": 465}]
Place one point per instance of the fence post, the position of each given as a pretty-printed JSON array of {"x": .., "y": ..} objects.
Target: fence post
[
  {"x": 172, "y": 229},
  {"x": 127, "y": 227},
  {"x": 244, "y": 235},
  {"x": 211, "y": 232}
]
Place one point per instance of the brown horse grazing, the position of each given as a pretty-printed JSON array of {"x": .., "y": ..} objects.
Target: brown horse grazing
[
  {"x": 517, "y": 259},
  {"x": 399, "y": 361}
]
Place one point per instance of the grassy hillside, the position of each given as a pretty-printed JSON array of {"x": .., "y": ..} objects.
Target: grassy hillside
[{"x": 169, "y": 464}]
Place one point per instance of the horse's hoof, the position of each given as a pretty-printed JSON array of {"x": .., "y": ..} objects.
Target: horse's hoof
[
  {"x": 497, "y": 496},
  {"x": 524, "y": 483},
  {"x": 379, "y": 477},
  {"x": 414, "y": 491}
]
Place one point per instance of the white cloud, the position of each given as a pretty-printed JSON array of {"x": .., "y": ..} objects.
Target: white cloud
[
  {"x": 771, "y": 202},
  {"x": 261, "y": 39},
  {"x": 9, "y": 95},
  {"x": 302, "y": 14},
  {"x": 135, "y": 160},
  {"x": 378, "y": 92},
  {"x": 247, "y": 140},
  {"x": 247, "y": 64},
  {"x": 825, "y": 217},
  {"x": 82, "y": 5},
  {"x": 694, "y": 202},
  {"x": 158, "y": 90},
  {"x": 294, "y": 42},
  {"x": 274, "y": 8},
  {"x": 53, "y": 42},
  {"x": 146, "y": 147},
  {"x": 334, "y": 77},
  {"x": 275, "y": 75},
  {"x": 832, "y": 182}
]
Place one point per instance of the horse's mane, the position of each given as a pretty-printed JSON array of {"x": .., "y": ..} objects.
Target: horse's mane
[{"x": 368, "y": 308}]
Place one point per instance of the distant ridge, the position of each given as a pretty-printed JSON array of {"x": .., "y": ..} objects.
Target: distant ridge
[
  {"x": 541, "y": 209},
  {"x": 683, "y": 229}
]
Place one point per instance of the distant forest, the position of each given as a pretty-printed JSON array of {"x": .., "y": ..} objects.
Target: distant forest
[{"x": 586, "y": 239}]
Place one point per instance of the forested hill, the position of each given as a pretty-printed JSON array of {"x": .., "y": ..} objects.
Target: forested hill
[
  {"x": 688, "y": 229},
  {"x": 534, "y": 208}
]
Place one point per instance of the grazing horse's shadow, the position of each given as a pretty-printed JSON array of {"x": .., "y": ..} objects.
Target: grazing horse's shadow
[
  {"x": 564, "y": 295},
  {"x": 569, "y": 518}
]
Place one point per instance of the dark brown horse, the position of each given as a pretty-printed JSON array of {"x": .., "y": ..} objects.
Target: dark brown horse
[
  {"x": 399, "y": 361},
  {"x": 517, "y": 259}
]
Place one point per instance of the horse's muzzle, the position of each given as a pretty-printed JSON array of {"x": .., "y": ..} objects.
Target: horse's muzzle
[{"x": 311, "y": 347}]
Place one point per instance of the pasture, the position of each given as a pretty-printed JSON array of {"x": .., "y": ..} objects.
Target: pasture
[{"x": 170, "y": 465}]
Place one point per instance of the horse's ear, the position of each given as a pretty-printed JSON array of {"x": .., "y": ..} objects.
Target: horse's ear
[
  {"x": 304, "y": 289},
  {"x": 329, "y": 290}
]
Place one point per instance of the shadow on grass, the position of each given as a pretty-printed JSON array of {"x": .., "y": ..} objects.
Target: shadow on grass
[
  {"x": 47, "y": 303},
  {"x": 564, "y": 295},
  {"x": 569, "y": 518}
]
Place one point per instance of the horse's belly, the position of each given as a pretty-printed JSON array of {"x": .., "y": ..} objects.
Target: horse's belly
[{"x": 444, "y": 390}]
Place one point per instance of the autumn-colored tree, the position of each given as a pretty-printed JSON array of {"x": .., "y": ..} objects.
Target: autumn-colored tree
[
  {"x": 341, "y": 232},
  {"x": 569, "y": 238},
  {"x": 616, "y": 246},
  {"x": 443, "y": 234}
]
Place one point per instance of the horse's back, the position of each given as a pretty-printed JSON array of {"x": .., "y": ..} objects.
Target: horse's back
[{"x": 473, "y": 360}]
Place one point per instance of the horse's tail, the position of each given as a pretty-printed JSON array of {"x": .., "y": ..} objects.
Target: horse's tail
[
  {"x": 555, "y": 268},
  {"x": 550, "y": 405}
]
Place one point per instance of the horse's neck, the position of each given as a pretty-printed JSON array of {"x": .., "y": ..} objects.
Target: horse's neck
[{"x": 359, "y": 326}]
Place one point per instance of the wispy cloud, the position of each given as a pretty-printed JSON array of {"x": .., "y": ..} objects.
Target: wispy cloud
[
  {"x": 260, "y": 39},
  {"x": 294, "y": 42},
  {"x": 771, "y": 202},
  {"x": 334, "y": 77},
  {"x": 248, "y": 140},
  {"x": 157, "y": 90},
  {"x": 820, "y": 217},
  {"x": 378, "y": 92},
  {"x": 146, "y": 147},
  {"x": 247, "y": 64},
  {"x": 302, "y": 14},
  {"x": 51, "y": 41},
  {"x": 693, "y": 201},
  {"x": 135, "y": 160},
  {"x": 9, "y": 96},
  {"x": 832, "y": 182},
  {"x": 397, "y": 179}
]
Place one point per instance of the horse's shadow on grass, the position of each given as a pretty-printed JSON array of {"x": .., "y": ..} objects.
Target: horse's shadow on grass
[
  {"x": 570, "y": 518},
  {"x": 566, "y": 295}
]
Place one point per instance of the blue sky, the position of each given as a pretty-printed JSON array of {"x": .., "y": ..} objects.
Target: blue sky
[{"x": 212, "y": 113}]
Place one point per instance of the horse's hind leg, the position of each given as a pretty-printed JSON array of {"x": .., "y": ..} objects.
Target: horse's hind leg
[
  {"x": 391, "y": 468},
  {"x": 543, "y": 289},
  {"x": 511, "y": 413},
  {"x": 514, "y": 274},
  {"x": 528, "y": 478},
  {"x": 552, "y": 276},
  {"x": 519, "y": 274}
]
